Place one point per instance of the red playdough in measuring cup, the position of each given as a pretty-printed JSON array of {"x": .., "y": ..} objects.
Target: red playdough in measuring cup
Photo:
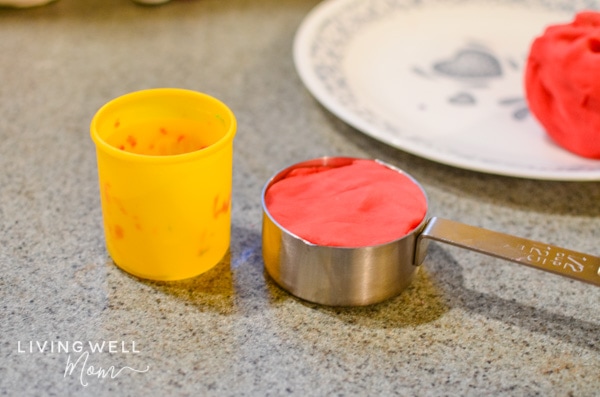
[
  {"x": 563, "y": 86},
  {"x": 361, "y": 204}
]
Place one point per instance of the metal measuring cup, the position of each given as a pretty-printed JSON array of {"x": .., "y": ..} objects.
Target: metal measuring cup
[{"x": 359, "y": 276}]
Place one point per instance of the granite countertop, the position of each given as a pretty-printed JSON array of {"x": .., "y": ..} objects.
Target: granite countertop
[{"x": 468, "y": 325}]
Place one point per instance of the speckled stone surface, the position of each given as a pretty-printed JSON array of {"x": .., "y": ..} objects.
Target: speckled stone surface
[{"x": 469, "y": 325}]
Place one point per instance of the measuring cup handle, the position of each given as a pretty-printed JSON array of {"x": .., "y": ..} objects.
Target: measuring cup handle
[{"x": 564, "y": 262}]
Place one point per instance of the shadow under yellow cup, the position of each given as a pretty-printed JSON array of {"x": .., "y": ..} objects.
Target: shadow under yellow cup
[{"x": 165, "y": 159}]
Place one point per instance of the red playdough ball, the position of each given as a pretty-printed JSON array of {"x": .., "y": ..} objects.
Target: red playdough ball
[{"x": 562, "y": 83}]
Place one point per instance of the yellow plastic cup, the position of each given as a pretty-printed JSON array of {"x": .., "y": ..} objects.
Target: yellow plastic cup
[{"x": 165, "y": 171}]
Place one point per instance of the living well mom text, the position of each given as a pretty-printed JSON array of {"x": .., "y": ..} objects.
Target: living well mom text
[{"x": 80, "y": 354}]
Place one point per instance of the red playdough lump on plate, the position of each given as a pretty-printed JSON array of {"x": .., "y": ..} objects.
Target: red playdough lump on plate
[
  {"x": 562, "y": 83},
  {"x": 361, "y": 204}
]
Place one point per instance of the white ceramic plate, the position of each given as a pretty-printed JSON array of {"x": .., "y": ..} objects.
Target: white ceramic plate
[{"x": 440, "y": 79}]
